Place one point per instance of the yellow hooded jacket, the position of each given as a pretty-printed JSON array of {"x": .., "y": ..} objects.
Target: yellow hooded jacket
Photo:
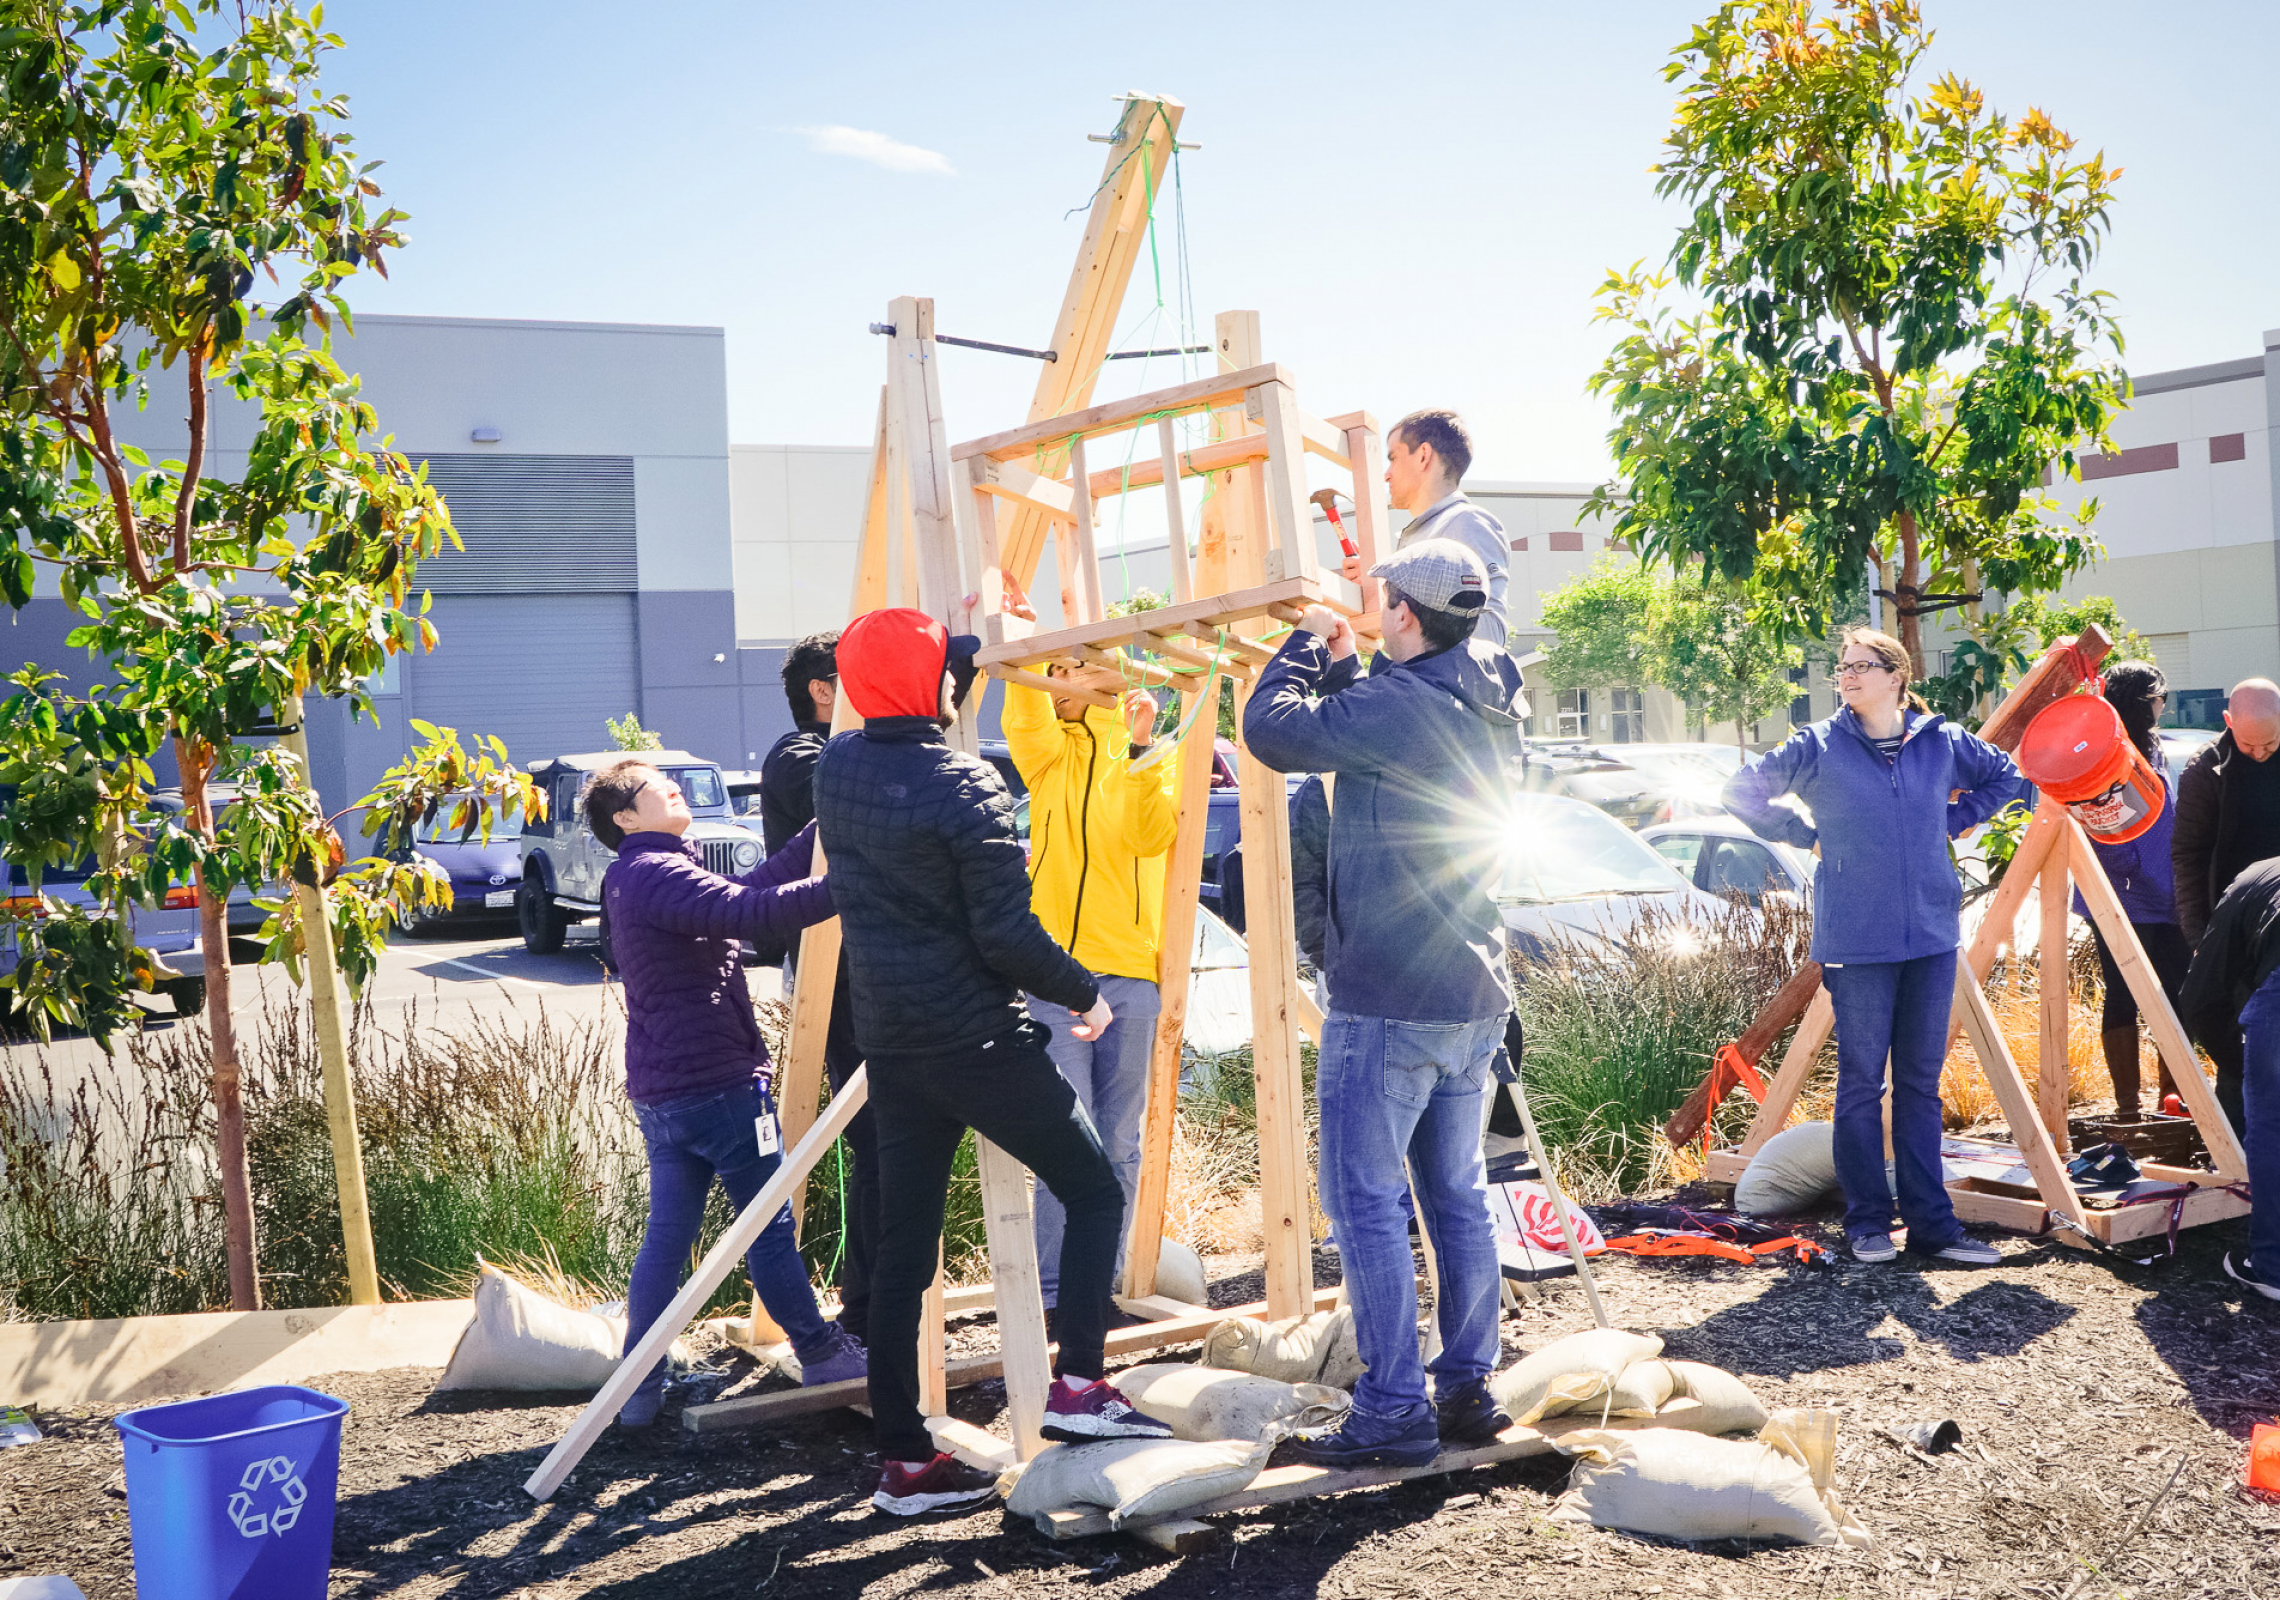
[{"x": 1099, "y": 833}]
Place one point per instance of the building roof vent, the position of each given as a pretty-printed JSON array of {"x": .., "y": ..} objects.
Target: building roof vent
[{"x": 485, "y": 436}]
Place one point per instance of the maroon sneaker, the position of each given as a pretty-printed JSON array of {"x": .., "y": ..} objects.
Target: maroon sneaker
[
  {"x": 943, "y": 1484},
  {"x": 1097, "y": 1411}
]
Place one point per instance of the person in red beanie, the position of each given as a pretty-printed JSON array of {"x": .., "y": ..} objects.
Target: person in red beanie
[{"x": 933, "y": 897}]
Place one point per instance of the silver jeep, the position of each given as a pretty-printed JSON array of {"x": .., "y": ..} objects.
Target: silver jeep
[{"x": 563, "y": 863}]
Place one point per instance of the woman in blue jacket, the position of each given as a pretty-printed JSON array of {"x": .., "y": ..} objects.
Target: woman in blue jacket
[
  {"x": 2144, "y": 883},
  {"x": 1887, "y": 784}
]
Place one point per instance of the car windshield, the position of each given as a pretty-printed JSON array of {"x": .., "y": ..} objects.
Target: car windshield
[
  {"x": 1563, "y": 850},
  {"x": 449, "y": 825},
  {"x": 700, "y": 786}
]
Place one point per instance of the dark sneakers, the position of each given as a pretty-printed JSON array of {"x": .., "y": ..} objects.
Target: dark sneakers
[
  {"x": 1363, "y": 1440},
  {"x": 1470, "y": 1416},
  {"x": 841, "y": 1360},
  {"x": 2246, "y": 1275},
  {"x": 943, "y": 1484},
  {"x": 1095, "y": 1412}
]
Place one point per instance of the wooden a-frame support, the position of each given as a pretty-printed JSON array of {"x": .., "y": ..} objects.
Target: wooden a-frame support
[{"x": 2054, "y": 855}]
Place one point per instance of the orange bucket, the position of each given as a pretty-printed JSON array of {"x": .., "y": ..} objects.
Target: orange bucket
[
  {"x": 2076, "y": 752},
  {"x": 2264, "y": 1457}
]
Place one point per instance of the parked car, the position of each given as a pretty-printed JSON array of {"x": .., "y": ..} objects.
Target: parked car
[
  {"x": 245, "y": 919},
  {"x": 1636, "y": 784},
  {"x": 485, "y": 873},
  {"x": 1573, "y": 873},
  {"x": 744, "y": 801},
  {"x": 1721, "y": 855},
  {"x": 2181, "y": 745},
  {"x": 1223, "y": 830},
  {"x": 562, "y": 862}
]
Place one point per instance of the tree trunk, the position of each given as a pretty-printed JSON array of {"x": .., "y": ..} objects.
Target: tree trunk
[
  {"x": 1909, "y": 583},
  {"x": 229, "y": 1107}
]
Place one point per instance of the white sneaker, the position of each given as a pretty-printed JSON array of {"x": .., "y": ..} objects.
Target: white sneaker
[
  {"x": 1873, "y": 1248},
  {"x": 1970, "y": 1253}
]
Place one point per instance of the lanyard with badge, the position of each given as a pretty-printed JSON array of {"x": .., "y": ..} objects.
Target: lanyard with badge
[{"x": 764, "y": 1129}]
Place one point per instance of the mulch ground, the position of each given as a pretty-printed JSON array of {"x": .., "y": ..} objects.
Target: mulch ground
[{"x": 2086, "y": 1390}]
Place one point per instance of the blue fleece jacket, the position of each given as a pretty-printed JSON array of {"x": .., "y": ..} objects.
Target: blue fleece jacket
[
  {"x": 1884, "y": 888},
  {"x": 1424, "y": 753}
]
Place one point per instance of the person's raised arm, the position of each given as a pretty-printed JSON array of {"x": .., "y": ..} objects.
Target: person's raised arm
[
  {"x": 1032, "y": 732},
  {"x": 1151, "y": 793},
  {"x": 686, "y": 899},
  {"x": 1297, "y": 720},
  {"x": 1751, "y": 792}
]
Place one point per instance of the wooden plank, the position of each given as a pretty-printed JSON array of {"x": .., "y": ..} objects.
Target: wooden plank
[
  {"x": 1279, "y": 1485},
  {"x": 989, "y": 619},
  {"x": 1134, "y": 669},
  {"x": 2018, "y": 1105},
  {"x": 914, "y": 381},
  {"x": 1789, "y": 1002},
  {"x": 1175, "y": 513},
  {"x": 1181, "y": 1537},
  {"x": 1292, "y": 520},
  {"x": 1086, "y": 606},
  {"x": 1083, "y": 328},
  {"x": 2053, "y": 677},
  {"x": 977, "y": 1447},
  {"x": 1008, "y": 480},
  {"x": 2052, "y": 1079},
  {"x": 2225, "y": 1153},
  {"x": 1202, "y": 461},
  {"x": 1158, "y": 1307},
  {"x": 1997, "y": 1210},
  {"x": 1201, "y": 394},
  {"x": 933, "y": 1378},
  {"x": 2126, "y": 1224},
  {"x": 1796, "y": 1067},
  {"x": 1321, "y": 588},
  {"x": 1234, "y": 513},
  {"x": 1372, "y": 514},
  {"x": 1175, "y": 960},
  {"x": 967, "y": 609},
  {"x": 1012, "y": 1233},
  {"x": 871, "y": 542},
  {"x": 718, "y": 1262},
  {"x": 1284, "y": 1212},
  {"x": 1037, "y": 680},
  {"x": 2002, "y": 914},
  {"x": 815, "y": 982}
]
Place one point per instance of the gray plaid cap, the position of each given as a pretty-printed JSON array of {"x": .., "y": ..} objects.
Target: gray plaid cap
[{"x": 1439, "y": 574}]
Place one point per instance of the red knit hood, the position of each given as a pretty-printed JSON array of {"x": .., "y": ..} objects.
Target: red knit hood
[{"x": 891, "y": 663}]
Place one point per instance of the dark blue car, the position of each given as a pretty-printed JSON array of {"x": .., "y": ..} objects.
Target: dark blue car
[{"x": 484, "y": 873}]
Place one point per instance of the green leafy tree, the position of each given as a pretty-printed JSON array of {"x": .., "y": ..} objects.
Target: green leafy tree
[
  {"x": 1599, "y": 620},
  {"x": 627, "y": 733},
  {"x": 1893, "y": 335},
  {"x": 179, "y": 206},
  {"x": 1709, "y": 645}
]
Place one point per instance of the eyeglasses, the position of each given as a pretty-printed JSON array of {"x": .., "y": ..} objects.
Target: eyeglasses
[{"x": 1853, "y": 669}]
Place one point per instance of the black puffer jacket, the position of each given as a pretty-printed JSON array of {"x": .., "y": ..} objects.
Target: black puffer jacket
[{"x": 933, "y": 893}]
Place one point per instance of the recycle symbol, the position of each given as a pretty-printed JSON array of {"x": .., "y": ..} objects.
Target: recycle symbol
[{"x": 291, "y": 1494}]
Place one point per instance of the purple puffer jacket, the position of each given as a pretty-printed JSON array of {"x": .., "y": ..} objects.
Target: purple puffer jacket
[{"x": 689, "y": 1025}]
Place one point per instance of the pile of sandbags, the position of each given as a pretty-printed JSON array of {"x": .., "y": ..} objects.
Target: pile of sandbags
[
  {"x": 523, "y": 1339},
  {"x": 1212, "y": 1403},
  {"x": 1674, "y": 1485},
  {"x": 1611, "y": 1375},
  {"x": 1316, "y": 1349},
  {"x": 1179, "y": 1274}
]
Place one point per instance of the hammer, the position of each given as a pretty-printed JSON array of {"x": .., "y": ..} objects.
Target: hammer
[{"x": 1327, "y": 499}]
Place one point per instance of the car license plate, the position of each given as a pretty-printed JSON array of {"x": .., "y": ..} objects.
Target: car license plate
[{"x": 499, "y": 899}]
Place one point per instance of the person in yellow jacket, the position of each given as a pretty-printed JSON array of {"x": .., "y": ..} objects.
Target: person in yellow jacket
[{"x": 1100, "y": 831}]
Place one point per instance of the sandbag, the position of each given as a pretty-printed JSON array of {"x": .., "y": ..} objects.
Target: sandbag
[
  {"x": 1316, "y": 1349},
  {"x": 1569, "y": 1372},
  {"x": 1710, "y": 1399},
  {"x": 1179, "y": 1274},
  {"x": 1133, "y": 1479},
  {"x": 1675, "y": 1485},
  {"x": 1795, "y": 1171},
  {"x": 1204, "y": 1403},
  {"x": 522, "y": 1339},
  {"x": 1641, "y": 1390}
]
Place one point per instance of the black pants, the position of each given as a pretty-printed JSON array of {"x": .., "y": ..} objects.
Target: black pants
[
  {"x": 1010, "y": 1093},
  {"x": 2231, "y": 1056},
  {"x": 859, "y": 1237},
  {"x": 2168, "y": 953}
]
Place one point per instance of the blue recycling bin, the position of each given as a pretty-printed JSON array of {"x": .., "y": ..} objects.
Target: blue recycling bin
[{"x": 231, "y": 1497}]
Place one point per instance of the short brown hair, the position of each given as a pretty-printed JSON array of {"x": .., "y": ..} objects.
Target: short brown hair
[
  {"x": 1445, "y": 431},
  {"x": 610, "y": 791}
]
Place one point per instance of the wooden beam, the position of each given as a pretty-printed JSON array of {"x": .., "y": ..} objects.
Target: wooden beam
[
  {"x": 1175, "y": 514},
  {"x": 1372, "y": 515},
  {"x": 1146, "y": 672},
  {"x": 1012, "y": 1232},
  {"x": 2126, "y": 1224},
  {"x": 1007, "y": 480},
  {"x": 1087, "y": 606},
  {"x": 1796, "y": 1067},
  {"x": 2052, "y": 1079},
  {"x": 2225, "y": 1153},
  {"x": 1085, "y": 325},
  {"x": 1294, "y": 554},
  {"x": 1315, "y": 437},
  {"x": 718, "y": 1262},
  {"x": 2055, "y": 676},
  {"x": 2002, "y": 1072},
  {"x": 1200, "y": 394},
  {"x": 1036, "y": 680},
  {"x": 871, "y": 542},
  {"x": 913, "y": 382},
  {"x": 1320, "y": 588},
  {"x": 1175, "y": 961},
  {"x": 2002, "y": 914},
  {"x": 815, "y": 981}
]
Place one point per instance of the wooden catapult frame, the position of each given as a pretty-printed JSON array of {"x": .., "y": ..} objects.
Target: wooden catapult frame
[
  {"x": 2053, "y": 856},
  {"x": 945, "y": 527}
]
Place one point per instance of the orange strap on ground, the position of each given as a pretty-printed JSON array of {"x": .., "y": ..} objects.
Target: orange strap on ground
[{"x": 1679, "y": 1244}]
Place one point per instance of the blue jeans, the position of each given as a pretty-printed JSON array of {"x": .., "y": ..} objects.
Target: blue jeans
[
  {"x": 1900, "y": 1008},
  {"x": 2260, "y": 1094},
  {"x": 692, "y": 1141},
  {"x": 1110, "y": 1075},
  {"x": 1410, "y": 1090}
]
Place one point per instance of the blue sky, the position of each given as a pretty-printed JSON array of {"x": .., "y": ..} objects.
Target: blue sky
[{"x": 1419, "y": 202}]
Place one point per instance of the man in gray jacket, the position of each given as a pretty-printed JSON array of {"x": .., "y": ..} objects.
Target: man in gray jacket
[{"x": 1426, "y": 456}]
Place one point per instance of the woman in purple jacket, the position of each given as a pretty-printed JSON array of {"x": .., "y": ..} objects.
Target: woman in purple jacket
[
  {"x": 2144, "y": 883},
  {"x": 695, "y": 1066}
]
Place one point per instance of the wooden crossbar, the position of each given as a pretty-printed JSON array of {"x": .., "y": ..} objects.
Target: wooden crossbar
[
  {"x": 1204, "y": 394},
  {"x": 1200, "y": 618}
]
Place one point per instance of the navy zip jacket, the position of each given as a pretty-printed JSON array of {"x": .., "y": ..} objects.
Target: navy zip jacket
[
  {"x": 1884, "y": 888},
  {"x": 674, "y": 929},
  {"x": 1425, "y": 751}
]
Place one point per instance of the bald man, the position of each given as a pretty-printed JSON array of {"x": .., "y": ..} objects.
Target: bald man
[{"x": 2228, "y": 819}]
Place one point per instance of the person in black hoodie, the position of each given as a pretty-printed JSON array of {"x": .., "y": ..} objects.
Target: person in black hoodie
[
  {"x": 933, "y": 896},
  {"x": 787, "y": 804},
  {"x": 1424, "y": 749},
  {"x": 2232, "y": 996}
]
